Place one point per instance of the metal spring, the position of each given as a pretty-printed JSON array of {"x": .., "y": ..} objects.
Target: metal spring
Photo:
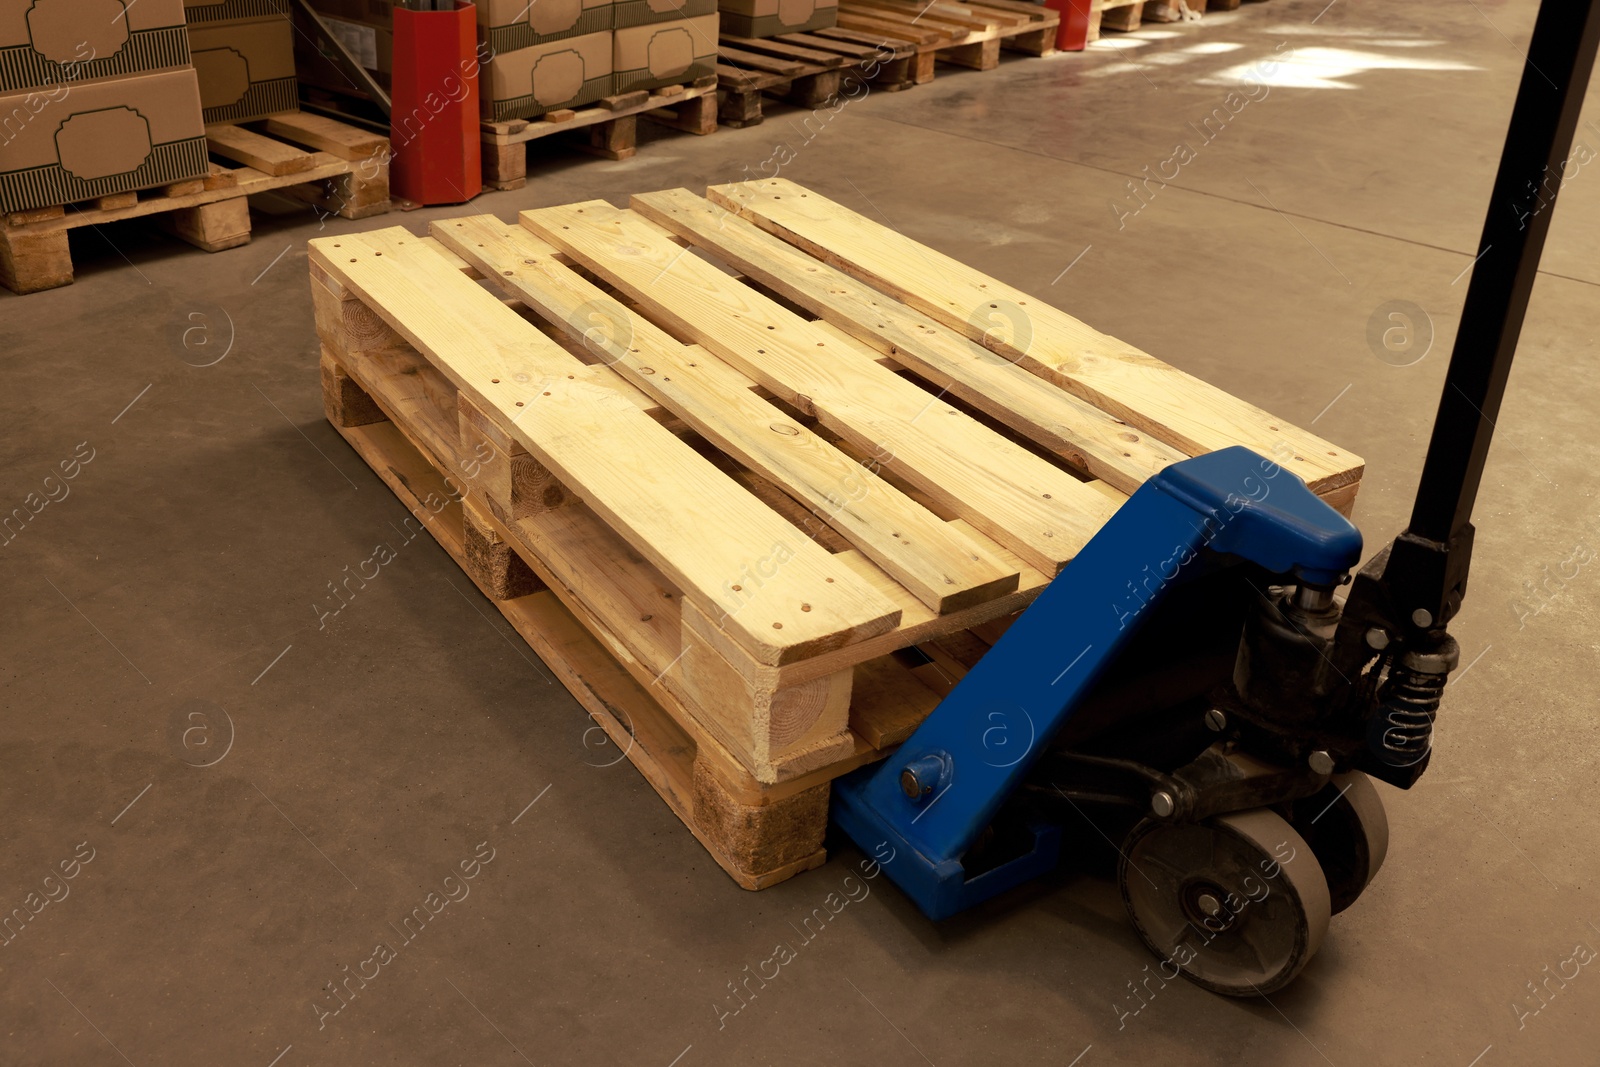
[{"x": 1401, "y": 732}]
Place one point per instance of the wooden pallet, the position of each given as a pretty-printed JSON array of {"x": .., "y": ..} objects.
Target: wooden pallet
[
  {"x": 338, "y": 168},
  {"x": 954, "y": 31},
  {"x": 810, "y": 70},
  {"x": 758, "y": 523},
  {"x": 611, "y": 126}
]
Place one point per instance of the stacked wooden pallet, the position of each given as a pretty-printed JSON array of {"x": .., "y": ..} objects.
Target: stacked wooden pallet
[
  {"x": 757, "y": 522},
  {"x": 810, "y": 70},
  {"x": 611, "y": 127},
  {"x": 968, "y": 34},
  {"x": 335, "y": 167}
]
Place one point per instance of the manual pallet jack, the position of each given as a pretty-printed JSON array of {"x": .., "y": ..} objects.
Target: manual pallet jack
[{"x": 1190, "y": 689}]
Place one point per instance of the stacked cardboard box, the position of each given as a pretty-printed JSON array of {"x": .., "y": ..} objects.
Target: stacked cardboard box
[
  {"x": 544, "y": 56},
  {"x": 244, "y": 54},
  {"x": 663, "y": 42},
  {"x": 768, "y": 18},
  {"x": 96, "y": 97}
]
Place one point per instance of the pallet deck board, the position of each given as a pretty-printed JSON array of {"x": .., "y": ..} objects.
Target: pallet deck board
[
  {"x": 945, "y": 569},
  {"x": 659, "y": 494},
  {"x": 1094, "y": 442},
  {"x": 1151, "y": 396},
  {"x": 1013, "y": 496}
]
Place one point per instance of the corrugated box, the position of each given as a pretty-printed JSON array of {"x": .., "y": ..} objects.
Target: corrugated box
[
  {"x": 48, "y": 42},
  {"x": 246, "y": 69},
  {"x": 665, "y": 53},
  {"x": 510, "y": 25},
  {"x": 202, "y": 11},
  {"x": 643, "y": 12},
  {"x": 530, "y": 81},
  {"x": 767, "y": 18},
  {"x": 80, "y": 140}
]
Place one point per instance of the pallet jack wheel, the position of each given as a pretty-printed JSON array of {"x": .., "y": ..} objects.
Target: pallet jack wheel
[
  {"x": 1238, "y": 904},
  {"x": 1347, "y": 829}
]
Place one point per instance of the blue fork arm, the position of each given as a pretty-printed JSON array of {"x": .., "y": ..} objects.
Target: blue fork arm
[{"x": 976, "y": 747}]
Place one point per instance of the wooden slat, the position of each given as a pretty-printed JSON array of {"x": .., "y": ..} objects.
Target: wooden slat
[
  {"x": 1073, "y": 428},
  {"x": 944, "y": 569},
  {"x": 1151, "y": 396},
  {"x": 898, "y": 48},
  {"x": 848, "y": 49},
  {"x": 784, "y": 50},
  {"x": 254, "y": 150},
  {"x": 327, "y": 135},
  {"x": 757, "y": 62},
  {"x": 922, "y": 35},
  {"x": 1013, "y": 496},
  {"x": 703, "y": 531}
]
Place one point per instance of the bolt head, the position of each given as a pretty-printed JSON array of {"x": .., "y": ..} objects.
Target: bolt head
[
  {"x": 1422, "y": 618},
  {"x": 1216, "y": 720},
  {"x": 1209, "y": 904},
  {"x": 909, "y": 785},
  {"x": 1320, "y": 762},
  {"x": 1162, "y": 804},
  {"x": 1377, "y": 639}
]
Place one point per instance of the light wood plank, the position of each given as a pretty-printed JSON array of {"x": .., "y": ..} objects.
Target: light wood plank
[
  {"x": 1151, "y": 396},
  {"x": 944, "y": 569},
  {"x": 1012, "y": 495},
  {"x": 1079, "y": 432},
  {"x": 690, "y": 520},
  {"x": 254, "y": 150},
  {"x": 327, "y": 135}
]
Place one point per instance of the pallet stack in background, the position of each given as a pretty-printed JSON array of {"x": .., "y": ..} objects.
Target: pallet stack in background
[
  {"x": 542, "y": 57},
  {"x": 244, "y": 55},
  {"x": 97, "y": 97},
  {"x": 769, "y": 18}
]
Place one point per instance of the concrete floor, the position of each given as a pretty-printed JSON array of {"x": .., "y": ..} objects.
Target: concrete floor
[{"x": 369, "y": 758}]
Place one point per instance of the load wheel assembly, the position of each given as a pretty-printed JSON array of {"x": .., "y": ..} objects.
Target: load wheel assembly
[
  {"x": 1237, "y": 903},
  {"x": 1345, "y": 825}
]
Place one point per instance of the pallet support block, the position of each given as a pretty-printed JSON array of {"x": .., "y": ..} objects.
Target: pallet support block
[
  {"x": 985, "y": 55},
  {"x": 344, "y": 401},
  {"x": 34, "y": 261},
  {"x": 515, "y": 484},
  {"x": 777, "y": 729},
  {"x": 211, "y": 227},
  {"x": 616, "y": 139},
  {"x": 765, "y": 842},
  {"x": 491, "y": 561},
  {"x": 814, "y": 90}
]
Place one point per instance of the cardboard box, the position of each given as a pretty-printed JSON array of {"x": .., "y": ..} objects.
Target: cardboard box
[
  {"x": 664, "y": 53},
  {"x": 246, "y": 69},
  {"x": 767, "y": 18},
  {"x": 49, "y": 42},
  {"x": 530, "y": 81},
  {"x": 79, "y": 140},
  {"x": 644, "y": 12},
  {"x": 199, "y": 12},
  {"x": 511, "y": 25}
]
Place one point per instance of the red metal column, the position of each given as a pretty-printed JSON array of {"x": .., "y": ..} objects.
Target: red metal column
[
  {"x": 433, "y": 121},
  {"x": 1074, "y": 32}
]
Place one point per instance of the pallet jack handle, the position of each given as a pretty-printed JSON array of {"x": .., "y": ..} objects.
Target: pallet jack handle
[{"x": 1428, "y": 569}]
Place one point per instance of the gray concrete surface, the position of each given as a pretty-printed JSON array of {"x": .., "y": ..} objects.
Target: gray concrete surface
[{"x": 370, "y": 758}]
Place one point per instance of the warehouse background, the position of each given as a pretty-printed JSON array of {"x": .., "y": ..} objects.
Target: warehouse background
[{"x": 370, "y": 757}]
